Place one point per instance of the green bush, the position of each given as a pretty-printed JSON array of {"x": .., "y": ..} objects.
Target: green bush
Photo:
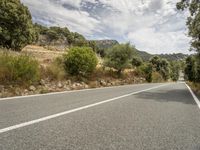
[
  {"x": 162, "y": 66},
  {"x": 119, "y": 57},
  {"x": 16, "y": 28},
  {"x": 137, "y": 61},
  {"x": 175, "y": 70},
  {"x": 146, "y": 71},
  {"x": 18, "y": 69},
  {"x": 80, "y": 61},
  {"x": 191, "y": 69}
]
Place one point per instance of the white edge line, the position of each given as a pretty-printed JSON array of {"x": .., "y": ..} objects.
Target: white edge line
[
  {"x": 71, "y": 111},
  {"x": 63, "y": 92},
  {"x": 193, "y": 95}
]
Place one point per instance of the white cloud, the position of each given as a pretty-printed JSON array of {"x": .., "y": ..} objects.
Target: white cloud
[
  {"x": 160, "y": 42},
  {"x": 152, "y": 25},
  {"x": 55, "y": 14}
]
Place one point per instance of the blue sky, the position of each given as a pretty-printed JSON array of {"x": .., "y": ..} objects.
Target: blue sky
[{"x": 154, "y": 26}]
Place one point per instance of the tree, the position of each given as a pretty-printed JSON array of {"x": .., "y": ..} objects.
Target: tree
[
  {"x": 119, "y": 57},
  {"x": 137, "y": 61},
  {"x": 156, "y": 62},
  {"x": 175, "y": 70},
  {"x": 146, "y": 71},
  {"x": 93, "y": 45},
  {"x": 80, "y": 61},
  {"x": 193, "y": 21},
  {"x": 190, "y": 69},
  {"x": 16, "y": 28},
  {"x": 162, "y": 66}
]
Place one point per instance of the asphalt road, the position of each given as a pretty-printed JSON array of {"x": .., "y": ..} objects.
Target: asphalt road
[{"x": 135, "y": 117}]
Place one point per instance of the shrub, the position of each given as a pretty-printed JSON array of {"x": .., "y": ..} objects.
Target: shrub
[
  {"x": 162, "y": 66},
  {"x": 137, "y": 61},
  {"x": 175, "y": 70},
  {"x": 55, "y": 70},
  {"x": 16, "y": 28},
  {"x": 18, "y": 69},
  {"x": 80, "y": 61},
  {"x": 192, "y": 69},
  {"x": 146, "y": 71},
  {"x": 119, "y": 57}
]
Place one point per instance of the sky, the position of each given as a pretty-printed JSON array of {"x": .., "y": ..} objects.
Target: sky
[{"x": 154, "y": 26}]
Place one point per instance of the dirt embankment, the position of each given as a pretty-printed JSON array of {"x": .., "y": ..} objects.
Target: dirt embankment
[{"x": 43, "y": 55}]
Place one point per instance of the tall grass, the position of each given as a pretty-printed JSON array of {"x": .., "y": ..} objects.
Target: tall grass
[
  {"x": 55, "y": 71},
  {"x": 18, "y": 69}
]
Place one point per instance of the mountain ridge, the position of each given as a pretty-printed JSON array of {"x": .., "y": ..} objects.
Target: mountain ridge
[{"x": 102, "y": 44}]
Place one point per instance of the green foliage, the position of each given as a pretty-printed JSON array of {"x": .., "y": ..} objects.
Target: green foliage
[
  {"x": 80, "y": 61},
  {"x": 175, "y": 70},
  {"x": 136, "y": 61},
  {"x": 192, "y": 69},
  {"x": 162, "y": 66},
  {"x": 16, "y": 28},
  {"x": 146, "y": 71},
  {"x": 18, "y": 69},
  {"x": 119, "y": 57},
  {"x": 193, "y": 21},
  {"x": 93, "y": 45}
]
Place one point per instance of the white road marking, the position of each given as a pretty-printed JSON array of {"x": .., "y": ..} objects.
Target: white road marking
[
  {"x": 73, "y": 110},
  {"x": 63, "y": 92},
  {"x": 194, "y": 96}
]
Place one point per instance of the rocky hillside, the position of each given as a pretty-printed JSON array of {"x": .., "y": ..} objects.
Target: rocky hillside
[
  {"x": 61, "y": 38},
  {"x": 58, "y": 38},
  {"x": 105, "y": 44}
]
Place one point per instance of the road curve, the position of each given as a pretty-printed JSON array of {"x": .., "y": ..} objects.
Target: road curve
[{"x": 139, "y": 117}]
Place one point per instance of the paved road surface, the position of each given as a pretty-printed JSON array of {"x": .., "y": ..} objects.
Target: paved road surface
[{"x": 135, "y": 117}]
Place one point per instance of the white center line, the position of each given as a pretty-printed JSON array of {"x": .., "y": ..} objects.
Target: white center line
[{"x": 24, "y": 124}]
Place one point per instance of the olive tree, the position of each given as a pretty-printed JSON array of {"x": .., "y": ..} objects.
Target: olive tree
[{"x": 119, "y": 57}]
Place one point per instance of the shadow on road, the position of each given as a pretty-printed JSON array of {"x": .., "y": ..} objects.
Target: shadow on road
[{"x": 175, "y": 95}]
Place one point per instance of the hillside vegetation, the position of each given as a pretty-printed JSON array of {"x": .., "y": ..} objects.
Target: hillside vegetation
[{"x": 67, "y": 60}]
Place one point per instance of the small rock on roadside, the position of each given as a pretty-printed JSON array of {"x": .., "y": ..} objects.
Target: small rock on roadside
[
  {"x": 42, "y": 82},
  {"x": 32, "y": 88},
  {"x": 60, "y": 85}
]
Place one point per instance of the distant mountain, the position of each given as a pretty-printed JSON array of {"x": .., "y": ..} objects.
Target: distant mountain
[
  {"x": 61, "y": 38},
  {"x": 103, "y": 45},
  {"x": 172, "y": 57},
  {"x": 144, "y": 55}
]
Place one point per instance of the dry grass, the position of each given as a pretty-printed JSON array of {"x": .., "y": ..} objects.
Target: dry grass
[
  {"x": 44, "y": 56},
  {"x": 18, "y": 68},
  {"x": 195, "y": 87},
  {"x": 55, "y": 70}
]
